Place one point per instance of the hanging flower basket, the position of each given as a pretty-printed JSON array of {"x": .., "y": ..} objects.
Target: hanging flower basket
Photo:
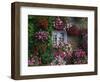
[
  {"x": 43, "y": 23},
  {"x": 58, "y": 23}
]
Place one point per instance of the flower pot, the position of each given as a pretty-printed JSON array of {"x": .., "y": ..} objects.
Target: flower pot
[{"x": 43, "y": 23}]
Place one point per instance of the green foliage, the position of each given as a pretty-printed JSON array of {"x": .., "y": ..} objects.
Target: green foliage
[{"x": 46, "y": 57}]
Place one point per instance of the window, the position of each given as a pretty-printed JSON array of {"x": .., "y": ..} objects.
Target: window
[
  {"x": 59, "y": 36},
  {"x": 54, "y": 39}
]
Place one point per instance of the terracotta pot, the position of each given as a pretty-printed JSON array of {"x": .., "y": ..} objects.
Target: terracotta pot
[{"x": 43, "y": 23}]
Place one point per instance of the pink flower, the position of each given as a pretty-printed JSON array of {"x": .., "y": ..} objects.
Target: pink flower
[
  {"x": 58, "y": 24},
  {"x": 33, "y": 60},
  {"x": 56, "y": 54},
  {"x": 41, "y": 35},
  {"x": 62, "y": 54},
  {"x": 80, "y": 53},
  {"x": 30, "y": 62}
]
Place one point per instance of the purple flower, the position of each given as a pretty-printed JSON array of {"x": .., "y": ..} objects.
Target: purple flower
[{"x": 41, "y": 35}]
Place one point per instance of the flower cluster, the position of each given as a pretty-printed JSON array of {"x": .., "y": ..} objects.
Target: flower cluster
[
  {"x": 59, "y": 53},
  {"x": 62, "y": 54},
  {"x": 41, "y": 35},
  {"x": 58, "y": 61},
  {"x": 34, "y": 60},
  {"x": 58, "y": 24},
  {"x": 64, "y": 46},
  {"x": 79, "y": 53},
  {"x": 80, "y": 56},
  {"x": 31, "y": 61},
  {"x": 62, "y": 58}
]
